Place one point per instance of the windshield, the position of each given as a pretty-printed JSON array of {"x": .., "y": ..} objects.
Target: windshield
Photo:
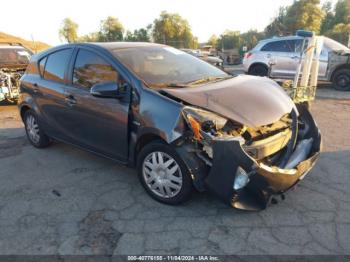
[
  {"x": 161, "y": 66},
  {"x": 14, "y": 56},
  {"x": 334, "y": 45}
]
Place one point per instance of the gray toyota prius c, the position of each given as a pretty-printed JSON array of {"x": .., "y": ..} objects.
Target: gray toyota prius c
[{"x": 183, "y": 123}]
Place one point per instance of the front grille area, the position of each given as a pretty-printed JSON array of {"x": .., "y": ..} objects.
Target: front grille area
[
  {"x": 267, "y": 140},
  {"x": 268, "y": 146}
]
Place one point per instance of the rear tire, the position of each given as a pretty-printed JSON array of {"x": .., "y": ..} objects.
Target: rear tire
[
  {"x": 258, "y": 70},
  {"x": 341, "y": 80},
  {"x": 164, "y": 174},
  {"x": 35, "y": 134}
]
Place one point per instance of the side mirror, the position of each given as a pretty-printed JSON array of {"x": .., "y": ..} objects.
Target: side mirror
[{"x": 109, "y": 90}]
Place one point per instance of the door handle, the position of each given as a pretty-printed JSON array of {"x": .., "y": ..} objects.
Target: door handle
[
  {"x": 70, "y": 100},
  {"x": 295, "y": 57},
  {"x": 35, "y": 88},
  {"x": 268, "y": 55}
]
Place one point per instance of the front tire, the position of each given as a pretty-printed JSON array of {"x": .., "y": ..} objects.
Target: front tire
[
  {"x": 164, "y": 174},
  {"x": 35, "y": 134},
  {"x": 341, "y": 80}
]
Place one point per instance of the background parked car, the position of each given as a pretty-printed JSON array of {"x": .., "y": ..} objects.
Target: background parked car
[
  {"x": 284, "y": 54},
  {"x": 214, "y": 60},
  {"x": 14, "y": 59}
]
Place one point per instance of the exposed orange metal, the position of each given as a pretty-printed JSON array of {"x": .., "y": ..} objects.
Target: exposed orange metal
[{"x": 196, "y": 127}]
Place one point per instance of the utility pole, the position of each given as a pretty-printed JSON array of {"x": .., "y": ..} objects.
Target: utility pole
[
  {"x": 222, "y": 43},
  {"x": 34, "y": 44}
]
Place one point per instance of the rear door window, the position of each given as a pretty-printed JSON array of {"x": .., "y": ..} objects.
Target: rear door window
[
  {"x": 277, "y": 46},
  {"x": 90, "y": 69},
  {"x": 56, "y": 65}
]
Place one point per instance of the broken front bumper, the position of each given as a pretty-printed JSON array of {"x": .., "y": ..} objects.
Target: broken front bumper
[{"x": 265, "y": 181}]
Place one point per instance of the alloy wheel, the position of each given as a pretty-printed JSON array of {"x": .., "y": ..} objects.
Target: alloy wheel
[{"x": 32, "y": 129}]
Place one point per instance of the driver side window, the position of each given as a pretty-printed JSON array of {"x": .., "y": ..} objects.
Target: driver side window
[{"x": 90, "y": 69}]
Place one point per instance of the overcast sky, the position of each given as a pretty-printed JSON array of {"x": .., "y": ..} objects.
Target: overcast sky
[{"x": 42, "y": 18}]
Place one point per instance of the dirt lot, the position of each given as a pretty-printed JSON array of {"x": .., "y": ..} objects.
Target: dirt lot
[{"x": 65, "y": 201}]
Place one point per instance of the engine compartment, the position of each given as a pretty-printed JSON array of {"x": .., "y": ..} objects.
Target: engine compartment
[
  {"x": 246, "y": 166},
  {"x": 271, "y": 145}
]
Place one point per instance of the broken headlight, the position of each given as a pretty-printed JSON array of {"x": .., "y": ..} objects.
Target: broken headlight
[
  {"x": 241, "y": 179},
  {"x": 200, "y": 121}
]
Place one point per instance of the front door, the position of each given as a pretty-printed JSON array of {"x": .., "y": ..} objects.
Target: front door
[
  {"x": 97, "y": 124},
  {"x": 280, "y": 54}
]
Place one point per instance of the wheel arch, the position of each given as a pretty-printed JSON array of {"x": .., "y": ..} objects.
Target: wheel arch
[
  {"x": 23, "y": 110},
  {"x": 257, "y": 64},
  {"x": 340, "y": 67},
  {"x": 138, "y": 142},
  {"x": 145, "y": 139}
]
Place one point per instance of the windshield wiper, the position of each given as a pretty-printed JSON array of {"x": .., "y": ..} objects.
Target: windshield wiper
[
  {"x": 190, "y": 83},
  {"x": 208, "y": 79},
  {"x": 162, "y": 85}
]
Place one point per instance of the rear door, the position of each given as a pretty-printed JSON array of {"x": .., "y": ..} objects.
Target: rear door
[
  {"x": 98, "y": 124},
  {"x": 49, "y": 91},
  {"x": 280, "y": 54}
]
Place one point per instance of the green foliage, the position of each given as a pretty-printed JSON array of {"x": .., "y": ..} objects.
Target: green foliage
[
  {"x": 337, "y": 26},
  {"x": 340, "y": 33},
  {"x": 213, "y": 40},
  {"x": 251, "y": 38},
  {"x": 328, "y": 20},
  {"x": 111, "y": 30},
  {"x": 277, "y": 27},
  {"x": 342, "y": 12},
  {"x": 68, "y": 30},
  {"x": 304, "y": 14},
  {"x": 92, "y": 37},
  {"x": 140, "y": 35},
  {"x": 229, "y": 40},
  {"x": 172, "y": 29}
]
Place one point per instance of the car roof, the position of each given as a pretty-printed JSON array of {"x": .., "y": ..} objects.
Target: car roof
[
  {"x": 277, "y": 38},
  {"x": 109, "y": 46},
  {"x": 122, "y": 45}
]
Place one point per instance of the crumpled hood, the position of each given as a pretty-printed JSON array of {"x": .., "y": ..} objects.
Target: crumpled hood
[{"x": 250, "y": 100}]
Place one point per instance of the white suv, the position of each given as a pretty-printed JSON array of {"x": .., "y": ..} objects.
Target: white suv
[{"x": 284, "y": 54}]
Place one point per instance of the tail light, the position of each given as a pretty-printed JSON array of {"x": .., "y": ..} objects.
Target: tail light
[{"x": 247, "y": 55}]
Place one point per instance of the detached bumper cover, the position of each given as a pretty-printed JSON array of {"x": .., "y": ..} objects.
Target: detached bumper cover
[{"x": 265, "y": 181}]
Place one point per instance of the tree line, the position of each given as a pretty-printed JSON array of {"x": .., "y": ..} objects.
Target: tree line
[
  {"x": 169, "y": 28},
  {"x": 325, "y": 20},
  {"x": 172, "y": 29}
]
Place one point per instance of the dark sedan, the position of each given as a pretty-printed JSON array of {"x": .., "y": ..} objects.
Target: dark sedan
[{"x": 184, "y": 123}]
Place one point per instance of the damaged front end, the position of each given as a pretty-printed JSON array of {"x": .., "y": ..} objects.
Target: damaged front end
[
  {"x": 246, "y": 166},
  {"x": 9, "y": 84}
]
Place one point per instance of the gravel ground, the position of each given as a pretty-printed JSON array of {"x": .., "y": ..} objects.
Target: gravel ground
[{"x": 62, "y": 200}]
